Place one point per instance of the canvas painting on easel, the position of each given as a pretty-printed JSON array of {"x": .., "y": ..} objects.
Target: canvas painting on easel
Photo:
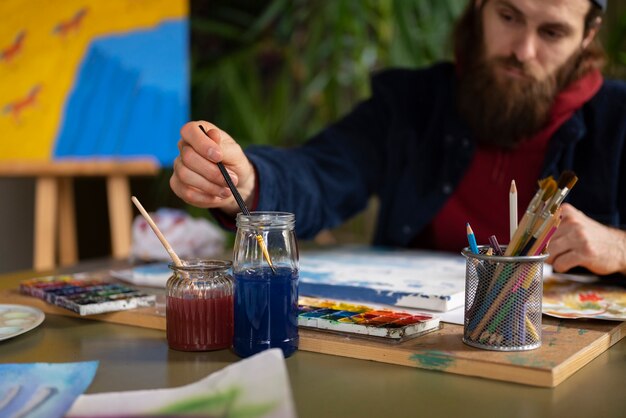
[{"x": 92, "y": 78}]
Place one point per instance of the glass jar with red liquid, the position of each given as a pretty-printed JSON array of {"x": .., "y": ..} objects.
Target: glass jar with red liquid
[
  {"x": 199, "y": 306},
  {"x": 266, "y": 299}
]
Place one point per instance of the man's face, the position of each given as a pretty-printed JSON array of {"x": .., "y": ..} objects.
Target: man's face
[
  {"x": 541, "y": 34},
  {"x": 526, "y": 51}
]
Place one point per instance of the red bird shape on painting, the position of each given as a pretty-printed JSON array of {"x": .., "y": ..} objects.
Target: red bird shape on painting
[
  {"x": 8, "y": 53},
  {"x": 65, "y": 27},
  {"x": 17, "y": 107}
]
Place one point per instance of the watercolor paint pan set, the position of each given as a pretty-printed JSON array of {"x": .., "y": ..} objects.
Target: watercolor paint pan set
[
  {"x": 84, "y": 295},
  {"x": 363, "y": 321}
]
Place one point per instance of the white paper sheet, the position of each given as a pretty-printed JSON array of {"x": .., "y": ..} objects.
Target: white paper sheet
[{"x": 258, "y": 386}]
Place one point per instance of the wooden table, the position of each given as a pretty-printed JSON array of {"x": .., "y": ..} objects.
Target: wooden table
[{"x": 134, "y": 358}]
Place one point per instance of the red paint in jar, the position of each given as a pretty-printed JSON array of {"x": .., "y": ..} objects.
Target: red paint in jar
[
  {"x": 199, "y": 306},
  {"x": 199, "y": 324}
]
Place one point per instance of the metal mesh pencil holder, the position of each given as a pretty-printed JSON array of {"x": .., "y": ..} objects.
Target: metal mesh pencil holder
[{"x": 502, "y": 301}]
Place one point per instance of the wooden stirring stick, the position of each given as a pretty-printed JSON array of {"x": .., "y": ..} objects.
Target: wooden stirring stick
[{"x": 158, "y": 233}]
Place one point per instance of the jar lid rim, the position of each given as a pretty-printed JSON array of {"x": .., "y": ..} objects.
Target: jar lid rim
[
  {"x": 202, "y": 265},
  {"x": 272, "y": 214},
  {"x": 266, "y": 219}
]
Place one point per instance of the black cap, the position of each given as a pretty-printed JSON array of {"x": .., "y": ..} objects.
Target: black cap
[{"x": 600, "y": 3}]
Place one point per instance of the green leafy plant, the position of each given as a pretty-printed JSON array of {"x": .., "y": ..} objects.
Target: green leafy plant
[
  {"x": 276, "y": 72},
  {"x": 614, "y": 37}
]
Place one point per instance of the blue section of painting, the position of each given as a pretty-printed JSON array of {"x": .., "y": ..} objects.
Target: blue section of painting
[
  {"x": 131, "y": 96},
  {"x": 43, "y": 390},
  {"x": 353, "y": 293}
]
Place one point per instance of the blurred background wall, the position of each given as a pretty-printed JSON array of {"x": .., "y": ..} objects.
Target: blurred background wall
[{"x": 275, "y": 72}]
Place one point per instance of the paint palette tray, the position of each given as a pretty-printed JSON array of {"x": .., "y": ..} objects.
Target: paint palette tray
[
  {"x": 363, "y": 321},
  {"x": 84, "y": 295}
]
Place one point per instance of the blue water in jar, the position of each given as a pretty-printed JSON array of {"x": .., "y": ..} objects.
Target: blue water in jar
[{"x": 266, "y": 311}]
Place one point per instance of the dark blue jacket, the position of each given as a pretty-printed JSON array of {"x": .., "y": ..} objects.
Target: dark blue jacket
[{"x": 408, "y": 145}]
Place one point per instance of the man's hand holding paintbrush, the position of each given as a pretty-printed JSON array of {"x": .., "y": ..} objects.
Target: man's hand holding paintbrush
[
  {"x": 203, "y": 185},
  {"x": 203, "y": 182}
]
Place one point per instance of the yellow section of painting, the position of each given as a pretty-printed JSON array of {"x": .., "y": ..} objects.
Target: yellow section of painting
[{"x": 42, "y": 44}]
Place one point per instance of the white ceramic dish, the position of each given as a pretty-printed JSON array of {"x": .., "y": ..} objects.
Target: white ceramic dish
[{"x": 18, "y": 319}]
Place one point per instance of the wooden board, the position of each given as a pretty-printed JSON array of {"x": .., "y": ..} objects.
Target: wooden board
[
  {"x": 567, "y": 345},
  {"x": 81, "y": 167}
]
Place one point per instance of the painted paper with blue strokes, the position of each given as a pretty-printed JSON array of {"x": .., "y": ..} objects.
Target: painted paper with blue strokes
[
  {"x": 42, "y": 390},
  {"x": 407, "y": 278}
]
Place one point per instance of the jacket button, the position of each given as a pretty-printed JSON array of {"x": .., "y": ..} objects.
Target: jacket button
[
  {"x": 448, "y": 139},
  {"x": 465, "y": 142},
  {"x": 447, "y": 188},
  {"x": 406, "y": 229}
]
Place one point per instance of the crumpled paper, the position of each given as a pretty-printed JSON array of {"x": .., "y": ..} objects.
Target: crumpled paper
[{"x": 189, "y": 237}]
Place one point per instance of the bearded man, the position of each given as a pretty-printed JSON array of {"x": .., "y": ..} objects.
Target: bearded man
[{"x": 439, "y": 146}]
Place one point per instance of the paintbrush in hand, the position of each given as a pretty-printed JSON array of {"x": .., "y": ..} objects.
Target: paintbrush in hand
[{"x": 242, "y": 206}]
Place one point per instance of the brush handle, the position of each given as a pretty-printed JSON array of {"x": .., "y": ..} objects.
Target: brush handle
[
  {"x": 157, "y": 232},
  {"x": 242, "y": 206},
  {"x": 233, "y": 189},
  {"x": 229, "y": 182}
]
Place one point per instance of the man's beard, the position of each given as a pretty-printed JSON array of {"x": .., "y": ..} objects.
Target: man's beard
[{"x": 502, "y": 111}]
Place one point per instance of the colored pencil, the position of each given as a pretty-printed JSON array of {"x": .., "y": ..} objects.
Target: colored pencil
[
  {"x": 497, "y": 283},
  {"x": 523, "y": 319},
  {"x": 493, "y": 241},
  {"x": 524, "y": 224},
  {"x": 512, "y": 210},
  {"x": 543, "y": 244},
  {"x": 531, "y": 328},
  {"x": 482, "y": 287},
  {"x": 242, "y": 206},
  {"x": 536, "y": 235},
  {"x": 471, "y": 238}
]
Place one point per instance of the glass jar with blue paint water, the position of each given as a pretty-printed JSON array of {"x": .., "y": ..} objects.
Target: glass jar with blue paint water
[{"x": 266, "y": 295}]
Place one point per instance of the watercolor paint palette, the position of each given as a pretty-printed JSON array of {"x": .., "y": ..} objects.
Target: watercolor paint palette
[
  {"x": 363, "y": 321},
  {"x": 86, "y": 296}
]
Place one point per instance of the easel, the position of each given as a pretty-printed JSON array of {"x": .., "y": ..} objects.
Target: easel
[{"x": 54, "y": 203}]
